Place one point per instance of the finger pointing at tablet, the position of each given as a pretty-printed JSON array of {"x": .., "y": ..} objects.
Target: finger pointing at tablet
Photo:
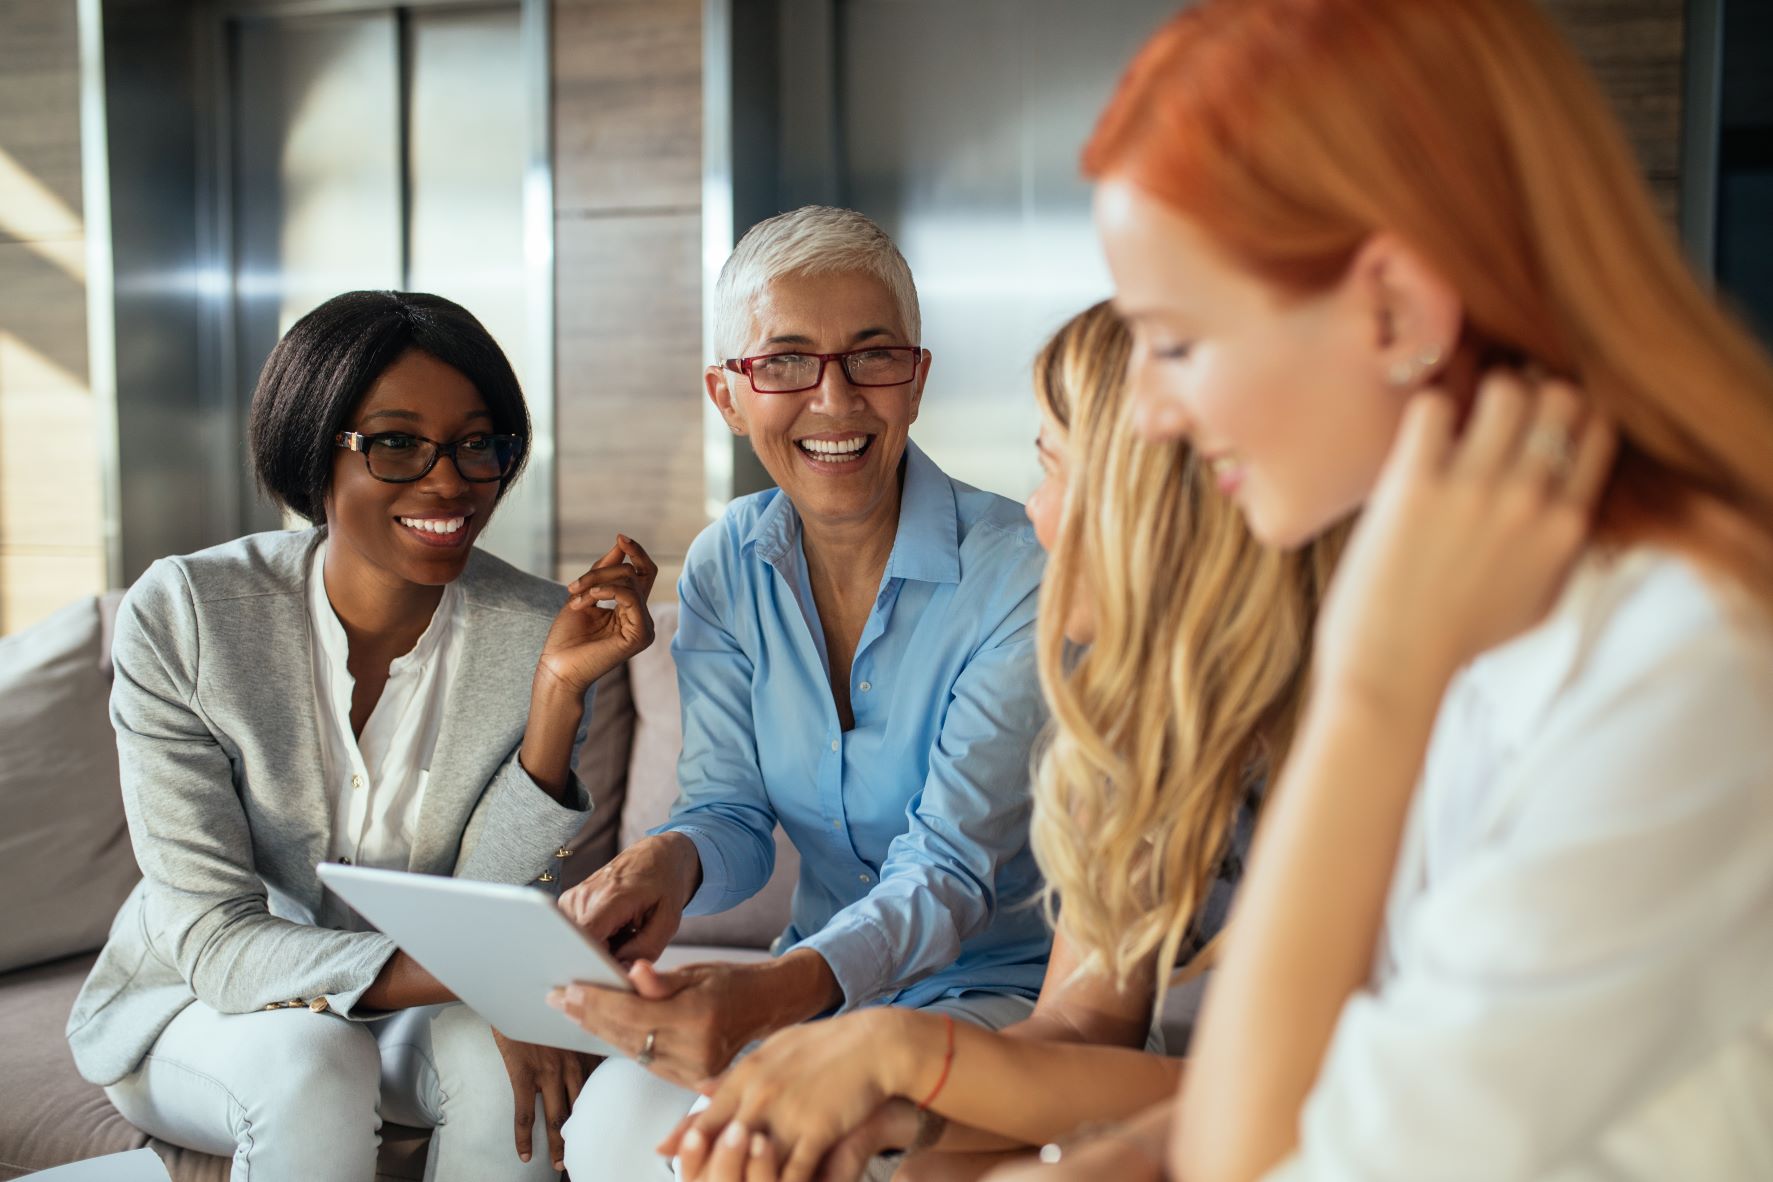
[{"x": 635, "y": 903}]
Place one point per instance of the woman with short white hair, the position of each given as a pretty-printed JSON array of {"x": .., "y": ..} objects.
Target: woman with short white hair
[{"x": 855, "y": 652}]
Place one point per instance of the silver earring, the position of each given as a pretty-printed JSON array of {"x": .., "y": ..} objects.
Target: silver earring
[{"x": 1411, "y": 370}]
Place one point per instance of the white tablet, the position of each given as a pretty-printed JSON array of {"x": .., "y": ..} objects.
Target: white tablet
[{"x": 499, "y": 948}]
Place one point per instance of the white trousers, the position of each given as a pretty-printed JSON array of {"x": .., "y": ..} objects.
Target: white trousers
[
  {"x": 625, "y": 1110},
  {"x": 294, "y": 1096}
]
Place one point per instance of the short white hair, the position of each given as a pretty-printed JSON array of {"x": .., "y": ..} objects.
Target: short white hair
[{"x": 811, "y": 240}]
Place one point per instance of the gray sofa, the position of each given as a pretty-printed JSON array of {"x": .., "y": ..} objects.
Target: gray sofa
[{"x": 65, "y": 865}]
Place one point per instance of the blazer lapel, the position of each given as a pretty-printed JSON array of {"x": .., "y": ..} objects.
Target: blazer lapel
[
  {"x": 483, "y": 720},
  {"x": 268, "y": 688}
]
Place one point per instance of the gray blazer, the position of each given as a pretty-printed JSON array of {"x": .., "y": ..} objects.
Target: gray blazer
[{"x": 219, "y": 743}]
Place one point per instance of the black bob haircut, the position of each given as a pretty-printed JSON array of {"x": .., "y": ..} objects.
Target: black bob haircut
[{"x": 329, "y": 359}]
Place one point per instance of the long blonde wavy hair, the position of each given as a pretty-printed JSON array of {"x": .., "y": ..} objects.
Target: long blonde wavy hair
[{"x": 1186, "y": 698}]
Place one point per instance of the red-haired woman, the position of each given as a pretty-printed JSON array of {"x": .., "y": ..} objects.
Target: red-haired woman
[{"x": 1511, "y": 913}]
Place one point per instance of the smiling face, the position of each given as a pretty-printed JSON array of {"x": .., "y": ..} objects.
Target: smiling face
[
  {"x": 834, "y": 449},
  {"x": 1286, "y": 398},
  {"x": 417, "y": 533}
]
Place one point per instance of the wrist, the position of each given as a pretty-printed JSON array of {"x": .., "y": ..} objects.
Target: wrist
[
  {"x": 913, "y": 1046},
  {"x": 794, "y": 988},
  {"x": 1401, "y": 697},
  {"x": 685, "y": 863},
  {"x": 554, "y": 695}
]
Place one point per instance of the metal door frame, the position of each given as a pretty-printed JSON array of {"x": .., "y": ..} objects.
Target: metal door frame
[{"x": 222, "y": 477}]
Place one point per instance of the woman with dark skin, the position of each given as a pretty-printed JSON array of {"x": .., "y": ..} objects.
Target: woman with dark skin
[{"x": 373, "y": 690}]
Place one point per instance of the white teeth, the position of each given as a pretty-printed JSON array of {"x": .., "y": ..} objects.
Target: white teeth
[
  {"x": 435, "y": 525},
  {"x": 844, "y": 447}
]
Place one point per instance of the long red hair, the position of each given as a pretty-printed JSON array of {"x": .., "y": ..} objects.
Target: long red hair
[{"x": 1292, "y": 130}]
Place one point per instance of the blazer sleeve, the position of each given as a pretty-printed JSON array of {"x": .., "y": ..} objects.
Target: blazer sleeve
[
  {"x": 520, "y": 834},
  {"x": 206, "y": 910}
]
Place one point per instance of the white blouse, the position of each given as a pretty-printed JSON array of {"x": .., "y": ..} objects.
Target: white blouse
[
  {"x": 376, "y": 781},
  {"x": 1576, "y": 978}
]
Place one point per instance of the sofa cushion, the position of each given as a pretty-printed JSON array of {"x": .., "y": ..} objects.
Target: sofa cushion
[
  {"x": 603, "y": 768},
  {"x": 652, "y": 790},
  {"x": 49, "y": 1116},
  {"x": 65, "y": 858}
]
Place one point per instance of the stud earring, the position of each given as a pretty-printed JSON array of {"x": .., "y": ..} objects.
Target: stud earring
[{"x": 1411, "y": 370}]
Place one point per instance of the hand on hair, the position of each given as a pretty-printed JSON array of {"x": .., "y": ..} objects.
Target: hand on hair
[
  {"x": 1467, "y": 539},
  {"x": 588, "y": 639}
]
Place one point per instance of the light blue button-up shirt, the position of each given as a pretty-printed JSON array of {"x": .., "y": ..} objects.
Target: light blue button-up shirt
[{"x": 916, "y": 880}]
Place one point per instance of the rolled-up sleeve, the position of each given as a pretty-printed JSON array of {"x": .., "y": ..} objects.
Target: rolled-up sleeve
[
  {"x": 938, "y": 884},
  {"x": 1616, "y": 935},
  {"x": 722, "y": 806},
  {"x": 207, "y": 912}
]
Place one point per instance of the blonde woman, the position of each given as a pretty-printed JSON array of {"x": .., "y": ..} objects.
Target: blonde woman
[
  {"x": 1511, "y": 914},
  {"x": 1186, "y": 692}
]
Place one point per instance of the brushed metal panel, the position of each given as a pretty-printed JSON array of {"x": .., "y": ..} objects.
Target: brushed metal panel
[
  {"x": 961, "y": 129},
  {"x": 315, "y": 182},
  {"x": 467, "y": 152}
]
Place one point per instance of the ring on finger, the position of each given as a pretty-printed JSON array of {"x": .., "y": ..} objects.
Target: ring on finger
[
  {"x": 645, "y": 1056},
  {"x": 1551, "y": 444}
]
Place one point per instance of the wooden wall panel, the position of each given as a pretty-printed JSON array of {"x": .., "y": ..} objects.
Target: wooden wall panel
[
  {"x": 1635, "y": 47},
  {"x": 628, "y": 105},
  {"x": 627, "y": 191},
  {"x": 51, "y": 549},
  {"x": 39, "y": 120},
  {"x": 629, "y": 435}
]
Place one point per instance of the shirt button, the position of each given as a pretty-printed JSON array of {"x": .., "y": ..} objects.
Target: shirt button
[
  {"x": 319, "y": 1005},
  {"x": 863, "y": 877},
  {"x": 834, "y": 744},
  {"x": 837, "y": 824},
  {"x": 865, "y": 687},
  {"x": 357, "y": 782}
]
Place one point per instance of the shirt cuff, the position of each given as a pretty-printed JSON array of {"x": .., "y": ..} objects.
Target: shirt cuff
[
  {"x": 861, "y": 958},
  {"x": 715, "y": 893}
]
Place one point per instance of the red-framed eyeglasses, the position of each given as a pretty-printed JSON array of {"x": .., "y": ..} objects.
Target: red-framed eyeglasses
[{"x": 789, "y": 373}]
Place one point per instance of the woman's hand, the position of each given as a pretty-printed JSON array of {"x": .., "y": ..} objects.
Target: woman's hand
[
  {"x": 1467, "y": 538},
  {"x": 739, "y": 1156},
  {"x": 698, "y": 1017},
  {"x": 555, "y": 1075},
  {"x": 586, "y": 640},
  {"x": 634, "y": 903},
  {"x": 809, "y": 1087},
  {"x": 891, "y": 1126}
]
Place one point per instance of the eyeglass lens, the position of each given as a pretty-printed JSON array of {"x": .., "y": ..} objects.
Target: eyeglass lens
[
  {"x": 406, "y": 457},
  {"x": 800, "y": 371}
]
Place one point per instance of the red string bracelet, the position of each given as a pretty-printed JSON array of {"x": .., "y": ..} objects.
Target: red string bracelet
[{"x": 947, "y": 1062}]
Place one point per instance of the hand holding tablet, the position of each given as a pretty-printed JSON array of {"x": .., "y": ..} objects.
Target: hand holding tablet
[{"x": 498, "y": 948}]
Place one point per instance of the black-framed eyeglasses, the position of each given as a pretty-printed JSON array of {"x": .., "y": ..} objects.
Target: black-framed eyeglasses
[
  {"x": 400, "y": 457},
  {"x": 789, "y": 373}
]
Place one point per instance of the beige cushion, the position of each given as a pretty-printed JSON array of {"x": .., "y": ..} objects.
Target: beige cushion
[
  {"x": 65, "y": 858},
  {"x": 652, "y": 789},
  {"x": 49, "y": 1116},
  {"x": 603, "y": 769}
]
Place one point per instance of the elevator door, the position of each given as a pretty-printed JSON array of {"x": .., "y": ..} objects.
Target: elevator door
[{"x": 381, "y": 148}]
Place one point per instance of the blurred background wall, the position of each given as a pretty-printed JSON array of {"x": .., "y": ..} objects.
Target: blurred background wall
[{"x": 180, "y": 179}]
